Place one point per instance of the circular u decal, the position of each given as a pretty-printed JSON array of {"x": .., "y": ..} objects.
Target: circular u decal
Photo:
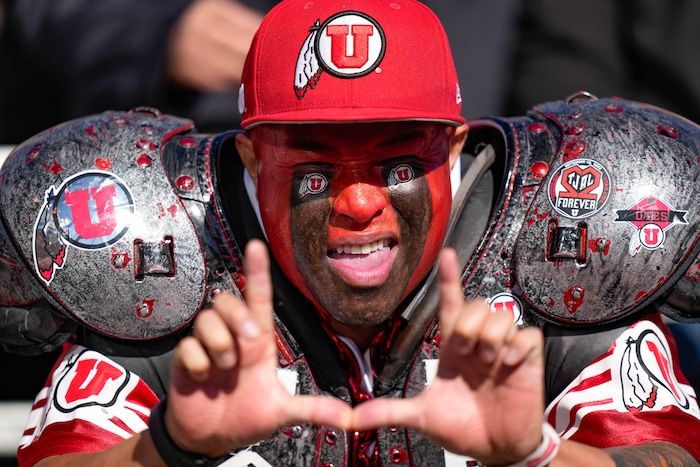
[
  {"x": 93, "y": 210},
  {"x": 350, "y": 44}
]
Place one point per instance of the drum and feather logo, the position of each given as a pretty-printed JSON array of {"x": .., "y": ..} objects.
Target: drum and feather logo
[
  {"x": 90, "y": 211},
  {"x": 651, "y": 217},
  {"x": 347, "y": 45}
]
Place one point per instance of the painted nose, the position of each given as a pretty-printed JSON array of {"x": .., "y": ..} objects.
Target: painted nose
[{"x": 360, "y": 202}]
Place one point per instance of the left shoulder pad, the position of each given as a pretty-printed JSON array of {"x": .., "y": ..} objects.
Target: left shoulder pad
[
  {"x": 597, "y": 218},
  {"x": 94, "y": 218}
]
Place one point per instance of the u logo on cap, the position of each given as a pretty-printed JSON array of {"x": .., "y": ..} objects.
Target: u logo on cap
[
  {"x": 347, "y": 45},
  {"x": 350, "y": 44}
]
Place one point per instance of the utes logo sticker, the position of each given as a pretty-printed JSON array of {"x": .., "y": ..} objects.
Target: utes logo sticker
[
  {"x": 507, "y": 302},
  {"x": 91, "y": 210},
  {"x": 347, "y": 45},
  {"x": 651, "y": 217},
  {"x": 579, "y": 188},
  {"x": 312, "y": 184},
  {"x": 401, "y": 174}
]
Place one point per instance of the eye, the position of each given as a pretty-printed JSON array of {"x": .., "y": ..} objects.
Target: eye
[
  {"x": 401, "y": 173},
  {"x": 312, "y": 184}
]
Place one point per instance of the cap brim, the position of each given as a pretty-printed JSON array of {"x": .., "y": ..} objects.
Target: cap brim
[{"x": 351, "y": 115}]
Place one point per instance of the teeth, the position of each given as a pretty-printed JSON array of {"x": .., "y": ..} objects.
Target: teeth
[{"x": 363, "y": 249}]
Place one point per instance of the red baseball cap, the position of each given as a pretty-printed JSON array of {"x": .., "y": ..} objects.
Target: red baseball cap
[{"x": 327, "y": 61}]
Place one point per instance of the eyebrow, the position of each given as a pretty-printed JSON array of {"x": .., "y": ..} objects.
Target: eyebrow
[
  {"x": 304, "y": 144},
  {"x": 404, "y": 137}
]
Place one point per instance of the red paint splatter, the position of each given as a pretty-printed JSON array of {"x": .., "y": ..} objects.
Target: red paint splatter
[
  {"x": 103, "y": 163},
  {"x": 613, "y": 108},
  {"x": 55, "y": 168},
  {"x": 172, "y": 210},
  {"x": 146, "y": 144},
  {"x": 144, "y": 161},
  {"x": 599, "y": 245},
  {"x": 576, "y": 129},
  {"x": 34, "y": 153},
  {"x": 537, "y": 217},
  {"x": 574, "y": 149},
  {"x": 572, "y": 304},
  {"x": 668, "y": 131}
]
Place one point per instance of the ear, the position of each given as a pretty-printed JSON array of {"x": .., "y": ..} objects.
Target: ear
[
  {"x": 457, "y": 140},
  {"x": 244, "y": 145}
]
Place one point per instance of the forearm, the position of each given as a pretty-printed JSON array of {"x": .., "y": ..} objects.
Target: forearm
[
  {"x": 572, "y": 454},
  {"x": 135, "y": 451},
  {"x": 656, "y": 453}
]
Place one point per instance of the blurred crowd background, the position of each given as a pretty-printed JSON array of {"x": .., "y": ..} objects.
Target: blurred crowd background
[{"x": 62, "y": 59}]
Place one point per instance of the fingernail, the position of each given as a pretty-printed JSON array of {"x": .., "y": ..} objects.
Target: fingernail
[
  {"x": 487, "y": 354},
  {"x": 463, "y": 346},
  {"x": 227, "y": 360},
  {"x": 512, "y": 356},
  {"x": 250, "y": 329}
]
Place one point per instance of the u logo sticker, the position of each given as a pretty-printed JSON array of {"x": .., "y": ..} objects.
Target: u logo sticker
[
  {"x": 90, "y": 210},
  {"x": 93, "y": 210},
  {"x": 347, "y": 45},
  {"x": 350, "y": 44}
]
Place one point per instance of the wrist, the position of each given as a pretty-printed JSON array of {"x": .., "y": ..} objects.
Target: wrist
[
  {"x": 545, "y": 452},
  {"x": 171, "y": 453}
]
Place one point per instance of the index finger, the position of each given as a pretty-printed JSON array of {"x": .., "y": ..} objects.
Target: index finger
[
  {"x": 258, "y": 293},
  {"x": 451, "y": 292},
  {"x": 252, "y": 317},
  {"x": 460, "y": 321}
]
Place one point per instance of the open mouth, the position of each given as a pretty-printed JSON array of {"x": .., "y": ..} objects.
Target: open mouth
[
  {"x": 364, "y": 265},
  {"x": 363, "y": 249}
]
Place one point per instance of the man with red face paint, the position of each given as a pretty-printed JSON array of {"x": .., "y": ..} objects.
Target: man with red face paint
[
  {"x": 352, "y": 155},
  {"x": 379, "y": 207}
]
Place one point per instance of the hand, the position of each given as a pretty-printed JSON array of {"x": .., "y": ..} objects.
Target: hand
[
  {"x": 224, "y": 393},
  {"x": 208, "y": 45},
  {"x": 487, "y": 400}
]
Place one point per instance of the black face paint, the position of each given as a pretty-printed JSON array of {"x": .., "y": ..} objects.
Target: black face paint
[{"x": 408, "y": 211}]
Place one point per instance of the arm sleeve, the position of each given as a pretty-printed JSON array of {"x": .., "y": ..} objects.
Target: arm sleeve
[
  {"x": 89, "y": 403},
  {"x": 632, "y": 392}
]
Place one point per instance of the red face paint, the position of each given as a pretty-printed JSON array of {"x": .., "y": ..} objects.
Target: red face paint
[{"x": 355, "y": 213}]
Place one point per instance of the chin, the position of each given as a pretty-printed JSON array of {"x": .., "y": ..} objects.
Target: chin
[{"x": 358, "y": 320}]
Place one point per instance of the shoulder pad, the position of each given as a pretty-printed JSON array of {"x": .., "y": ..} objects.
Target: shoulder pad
[
  {"x": 597, "y": 217},
  {"x": 94, "y": 218}
]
